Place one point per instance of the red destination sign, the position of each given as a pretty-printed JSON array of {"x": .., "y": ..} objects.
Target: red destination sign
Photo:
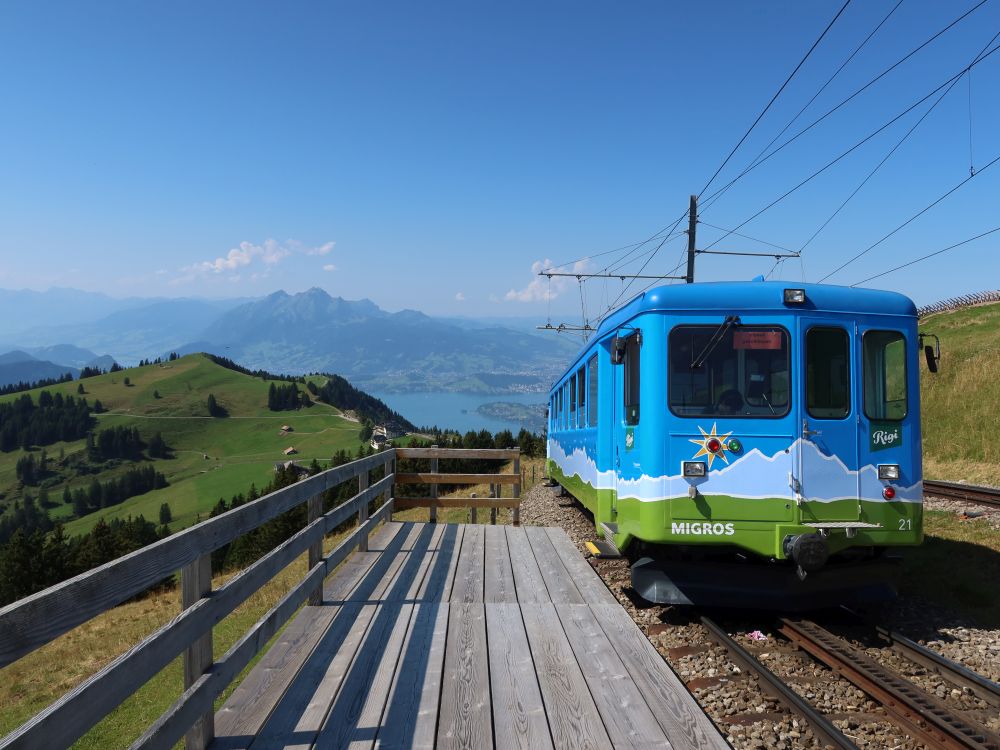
[{"x": 757, "y": 340}]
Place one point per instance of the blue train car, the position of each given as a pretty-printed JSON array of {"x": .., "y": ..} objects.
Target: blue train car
[{"x": 720, "y": 423}]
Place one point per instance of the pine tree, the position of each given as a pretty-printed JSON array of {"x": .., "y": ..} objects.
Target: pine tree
[{"x": 165, "y": 515}]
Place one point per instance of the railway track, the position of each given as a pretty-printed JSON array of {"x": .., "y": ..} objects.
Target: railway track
[
  {"x": 921, "y": 715},
  {"x": 917, "y": 713},
  {"x": 967, "y": 492}
]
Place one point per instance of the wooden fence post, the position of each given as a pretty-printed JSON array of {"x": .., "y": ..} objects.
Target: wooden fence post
[
  {"x": 434, "y": 489},
  {"x": 495, "y": 491},
  {"x": 390, "y": 491},
  {"x": 314, "y": 509},
  {"x": 196, "y": 583},
  {"x": 363, "y": 478},
  {"x": 517, "y": 491}
]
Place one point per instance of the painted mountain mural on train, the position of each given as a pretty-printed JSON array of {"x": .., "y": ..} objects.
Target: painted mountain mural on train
[{"x": 382, "y": 351}]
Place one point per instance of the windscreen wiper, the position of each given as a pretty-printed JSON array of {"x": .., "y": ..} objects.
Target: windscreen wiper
[{"x": 720, "y": 332}]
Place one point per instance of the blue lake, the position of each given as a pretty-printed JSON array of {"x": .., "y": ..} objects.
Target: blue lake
[{"x": 455, "y": 411}]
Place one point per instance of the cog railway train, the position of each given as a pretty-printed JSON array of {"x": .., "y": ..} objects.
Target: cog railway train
[{"x": 748, "y": 444}]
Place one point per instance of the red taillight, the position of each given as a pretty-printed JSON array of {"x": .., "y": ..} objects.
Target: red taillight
[
  {"x": 714, "y": 445},
  {"x": 889, "y": 493}
]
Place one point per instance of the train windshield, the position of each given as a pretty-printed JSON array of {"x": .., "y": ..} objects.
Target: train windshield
[{"x": 745, "y": 374}]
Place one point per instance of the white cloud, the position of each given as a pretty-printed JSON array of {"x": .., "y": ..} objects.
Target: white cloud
[
  {"x": 460, "y": 297},
  {"x": 270, "y": 253},
  {"x": 329, "y": 267},
  {"x": 323, "y": 249},
  {"x": 541, "y": 288}
]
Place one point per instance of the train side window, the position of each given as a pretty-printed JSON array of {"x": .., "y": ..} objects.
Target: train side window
[
  {"x": 884, "y": 372},
  {"x": 592, "y": 395},
  {"x": 581, "y": 389},
  {"x": 572, "y": 402},
  {"x": 631, "y": 363},
  {"x": 828, "y": 373}
]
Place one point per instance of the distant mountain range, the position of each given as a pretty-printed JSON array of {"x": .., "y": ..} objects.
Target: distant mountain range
[{"x": 295, "y": 334}]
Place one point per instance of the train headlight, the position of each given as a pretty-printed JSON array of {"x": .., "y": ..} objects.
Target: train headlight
[
  {"x": 795, "y": 296},
  {"x": 713, "y": 445},
  {"x": 889, "y": 472},
  {"x": 693, "y": 468}
]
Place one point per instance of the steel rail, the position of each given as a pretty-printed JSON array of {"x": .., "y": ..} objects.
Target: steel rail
[
  {"x": 953, "y": 672},
  {"x": 825, "y": 731},
  {"x": 967, "y": 492},
  {"x": 919, "y": 714}
]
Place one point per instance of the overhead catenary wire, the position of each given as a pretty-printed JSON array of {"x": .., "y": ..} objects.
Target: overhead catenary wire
[
  {"x": 846, "y": 100},
  {"x": 857, "y": 145},
  {"x": 775, "y": 97},
  {"x": 896, "y": 147},
  {"x": 913, "y": 218},
  {"x": 929, "y": 255},
  {"x": 844, "y": 64}
]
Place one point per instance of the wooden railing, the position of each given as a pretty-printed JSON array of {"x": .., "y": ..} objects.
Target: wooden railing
[
  {"x": 32, "y": 622},
  {"x": 38, "y": 619},
  {"x": 435, "y": 479}
]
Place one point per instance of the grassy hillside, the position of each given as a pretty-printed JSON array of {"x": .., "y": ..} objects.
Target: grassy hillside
[
  {"x": 961, "y": 402},
  {"x": 211, "y": 457}
]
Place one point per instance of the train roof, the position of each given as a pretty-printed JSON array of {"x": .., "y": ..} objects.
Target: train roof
[
  {"x": 727, "y": 297},
  {"x": 741, "y": 296}
]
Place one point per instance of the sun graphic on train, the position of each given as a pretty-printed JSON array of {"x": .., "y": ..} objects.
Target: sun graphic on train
[{"x": 712, "y": 445}]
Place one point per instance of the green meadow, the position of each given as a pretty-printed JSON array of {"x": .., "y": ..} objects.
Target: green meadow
[{"x": 211, "y": 457}]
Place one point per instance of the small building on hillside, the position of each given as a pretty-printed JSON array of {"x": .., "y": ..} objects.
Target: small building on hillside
[
  {"x": 300, "y": 471},
  {"x": 378, "y": 441},
  {"x": 289, "y": 451}
]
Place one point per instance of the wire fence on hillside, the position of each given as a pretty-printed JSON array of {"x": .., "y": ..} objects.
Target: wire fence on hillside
[{"x": 967, "y": 300}]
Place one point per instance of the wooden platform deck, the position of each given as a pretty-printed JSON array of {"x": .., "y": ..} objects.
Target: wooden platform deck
[{"x": 463, "y": 636}]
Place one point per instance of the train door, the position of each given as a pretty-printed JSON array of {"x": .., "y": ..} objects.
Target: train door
[
  {"x": 828, "y": 451},
  {"x": 625, "y": 368}
]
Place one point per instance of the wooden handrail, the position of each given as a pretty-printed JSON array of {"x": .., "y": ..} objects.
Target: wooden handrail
[
  {"x": 37, "y": 619},
  {"x": 32, "y": 622}
]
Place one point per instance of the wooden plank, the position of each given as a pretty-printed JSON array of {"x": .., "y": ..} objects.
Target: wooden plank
[
  {"x": 528, "y": 582},
  {"x": 402, "y": 503},
  {"x": 469, "y": 573},
  {"x": 557, "y": 578},
  {"x": 465, "y": 719},
  {"x": 379, "y": 540},
  {"x": 426, "y": 477},
  {"x": 434, "y": 452},
  {"x": 439, "y": 582},
  {"x": 251, "y": 702},
  {"x": 589, "y": 583},
  {"x": 35, "y": 620},
  {"x": 518, "y": 711},
  {"x": 410, "y": 717},
  {"x": 572, "y": 714},
  {"x": 354, "y": 717},
  {"x": 245, "y": 711},
  {"x": 302, "y": 709},
  {"x": 626, "y": 716},
  {"x": 498, "y": 575},
  {"x": 672, "y": 704}
]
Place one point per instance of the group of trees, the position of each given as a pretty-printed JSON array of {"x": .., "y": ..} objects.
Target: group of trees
[
  {"x": 286, "y": 397},
  {"x": 43, "y": 383},
  {"x": 55, "y": 418},
  {"x": 33, "y": 560},
  {"x": 116, "y": 442},
  {"x": 338, "y": 392},
  {"x": 29, "y": 470},
  {"x": 215, "y": 409},
  {"x": 137, "y": 480}
]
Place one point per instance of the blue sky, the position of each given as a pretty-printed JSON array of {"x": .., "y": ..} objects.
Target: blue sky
[{"x": 429, "y": 155}]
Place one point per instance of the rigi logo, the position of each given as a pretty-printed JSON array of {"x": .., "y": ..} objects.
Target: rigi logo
[{"x": 885, "y": 436}]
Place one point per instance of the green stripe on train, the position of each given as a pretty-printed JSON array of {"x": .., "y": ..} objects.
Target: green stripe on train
[{"x": 757, "y": 525}]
